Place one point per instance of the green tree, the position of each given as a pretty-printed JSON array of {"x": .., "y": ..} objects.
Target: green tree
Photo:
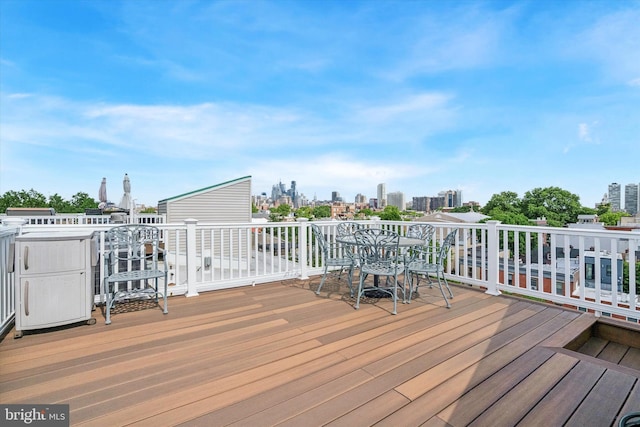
[
  {"x": 603, "y": 208},
  {"x": 279, "y": 212},
  {"x": 275, "y": 217},
  {"x": 611, "y": 218},
  {"x": 304, "y": 212},
  {"x": 254, "y": 208},
  {"x": 507, "y": 201},
  {"x": 390, "y": 213},
  {"x": 558, "y": 206},
  {"x": 366, "y": 212},
  {"x": 59, "y": 204},
  {"x": 10, "y": 199},
  {"x": 283, "y": 209},
  {"x": 81, "y": 201},
  {"x": 23, "y": 199},
  {"x": 323, "y": 211}
]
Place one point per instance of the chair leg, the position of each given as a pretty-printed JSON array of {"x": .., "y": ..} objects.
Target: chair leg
[
  {"x": 108, "y": 304},
  {"x": 164, "y": 296},
  {"x": 442, "y": 291},
  {"x": 324, "y": 276},
  {"x": 360, "y": 290},
  {"x": 447, "y": 285},
  {"x": 407, "y": 287},
  {"x": 350, "y": 280},
  {"x": 395, "y": 295}
]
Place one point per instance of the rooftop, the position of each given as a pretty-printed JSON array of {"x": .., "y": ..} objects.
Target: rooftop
[{"x": 279, "y": 354}]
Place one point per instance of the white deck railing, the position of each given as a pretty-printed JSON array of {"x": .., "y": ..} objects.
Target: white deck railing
[
  {"x": 494, "y": 257},
  {"x": 7, "y": 288},
  {"x": 83, "y": 219}
]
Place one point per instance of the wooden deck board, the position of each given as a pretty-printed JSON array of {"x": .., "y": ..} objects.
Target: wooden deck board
[
  {"x": 280, "y": 354},
  {"x": 558, "y": 405},
  {"x": 527, "y": 393},
  {"x": 604, "y": 401},
  {"x": 632, "y": 358},
  {"x": 474, "y": 377}
]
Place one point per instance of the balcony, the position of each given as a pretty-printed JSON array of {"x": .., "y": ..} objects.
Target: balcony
[{"x": 276, "y": 353}]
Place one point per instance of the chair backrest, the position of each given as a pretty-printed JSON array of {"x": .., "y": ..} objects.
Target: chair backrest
[
  {"x": 445, "y": 248},
  {"x": 376, "y": 245},
  {"x": 322, "y": 241},
  {"x": 346, "y": 228},
  {"x": 421, "y": 231},
  {"x": 137, "y": 243}
]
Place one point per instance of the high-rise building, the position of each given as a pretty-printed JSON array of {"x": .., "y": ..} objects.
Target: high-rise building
[
  {"x": 335, "y": 196},
  {"x": 452, "y": 198},
  {"x": 293, "y": 193},
  {"x": 421, "y": 204},
  {"x": 631, "y": 198},
  {"x": 360, "y": 198},
  {"x": 396, "y": 199},
  {"x": 382, "y": 195},
  {"x": 614, "y": 196}
]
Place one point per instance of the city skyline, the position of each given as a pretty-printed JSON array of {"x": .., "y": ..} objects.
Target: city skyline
[{"x": 484, "y": 97}]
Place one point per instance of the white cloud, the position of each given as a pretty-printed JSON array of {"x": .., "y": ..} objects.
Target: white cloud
[
  {"x": 583, "y": 132},
  {"x": 634, "y": 82}
]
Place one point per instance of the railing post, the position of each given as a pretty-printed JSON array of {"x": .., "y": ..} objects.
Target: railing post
[
  {"x": 191, "y": 257},
  {"x": 493, "y": 268},
  {"x": 16, "y": 223},
  {"x": 303, "y": 255}
]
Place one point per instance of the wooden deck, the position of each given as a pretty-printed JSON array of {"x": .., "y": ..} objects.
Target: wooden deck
[{"x": 278, "y": 354}]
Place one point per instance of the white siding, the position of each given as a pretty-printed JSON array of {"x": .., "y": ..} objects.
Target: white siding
[
  {"x": 231, "y": 203},
  {"x": 225, "y": 203}
]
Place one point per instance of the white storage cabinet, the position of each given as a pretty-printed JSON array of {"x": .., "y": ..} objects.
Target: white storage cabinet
[{"x": 54, "y": 279}]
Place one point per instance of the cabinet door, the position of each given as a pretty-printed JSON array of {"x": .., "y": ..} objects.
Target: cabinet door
[
  {"x": 52, "y": 300},
  {"x": 51, "y": 256}
]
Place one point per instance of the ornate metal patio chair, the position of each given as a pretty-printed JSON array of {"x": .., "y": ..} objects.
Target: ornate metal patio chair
[
  {"x": 421, "y": 231},
  {"x": 378, "y": 253},
  {"x": 427, "y": 262},
  {"x": 418, "y": 231},
  {"x": 133, "y": 259},
  {"x": 334, "y": 255},
  {"x": 347, "y": 228}
]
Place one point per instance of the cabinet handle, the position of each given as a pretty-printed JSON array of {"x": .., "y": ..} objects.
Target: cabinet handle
[
  {"x": 26, "y": 257},
  {"x": 26, "y": 298}
]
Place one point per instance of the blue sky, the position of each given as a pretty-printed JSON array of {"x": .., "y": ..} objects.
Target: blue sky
[{"x": 424, "y": 96}]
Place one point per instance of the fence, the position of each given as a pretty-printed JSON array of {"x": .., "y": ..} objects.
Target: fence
[{"x": 587, "y": 270}]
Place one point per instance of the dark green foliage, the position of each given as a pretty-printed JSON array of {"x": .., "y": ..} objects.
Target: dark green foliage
[
  {"x": 33, "y": 199},
  {"x": 390, "y": 213}
]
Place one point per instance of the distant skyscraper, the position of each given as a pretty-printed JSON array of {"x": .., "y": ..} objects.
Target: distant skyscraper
[
  {"x": 421, "y": 204},
  {"x": 614, "y": 196},
  {"x": 382, "y": 195},
  {"x": 631, "y": 198},
  {"x": 452, "y": 198},
  {"x": 294, "y": 195},
  {"x": 396, "y": 199}
]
